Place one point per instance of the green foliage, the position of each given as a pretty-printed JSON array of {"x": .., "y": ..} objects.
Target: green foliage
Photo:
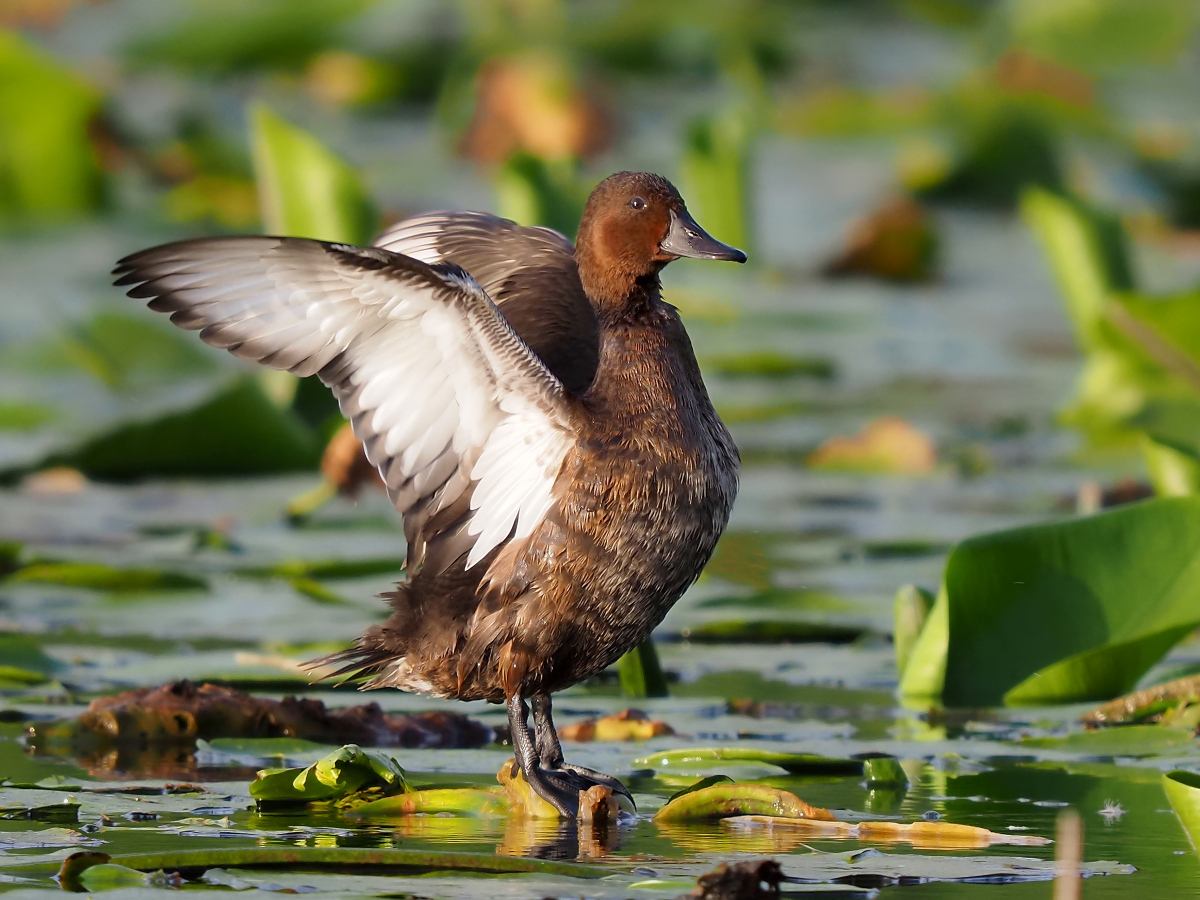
[
  {"x": 535, "y": 191},
  {"x": 47, "y": 166},
  {"x": 641, "y": 673},
  {"x": 227, "y": 36},
  {"x": 1183, "y": 791},
  {"x": 910, "y": 610},
  {"x": 304, "y": 189},
  {"x": 1063, "y": 612},
  {"x": 716, "y": 172},
  {"x": 1102, "y": 34},
  {"x": 238, "y": 431},
  {"x": 1141, "y": 379},
  {"x": 1001, "y": 154},
  {"x": 347, "y": 770},
  {"x": 884, "y": 771}
]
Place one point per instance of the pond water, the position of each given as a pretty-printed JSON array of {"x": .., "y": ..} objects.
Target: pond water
[{"x": 980, "y": 360}]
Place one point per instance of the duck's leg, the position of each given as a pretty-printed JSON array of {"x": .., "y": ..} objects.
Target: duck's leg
[
  {"x": 550, "y": 753},
  {"x": 556, "y": 788}
]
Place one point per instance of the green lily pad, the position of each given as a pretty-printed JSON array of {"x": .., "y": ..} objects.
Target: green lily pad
[
  {"x": 1068, "y": 611},
  {"x": 1183, "y": 790},
  {"x": 345, "y": 771},
  {"x": 470, "y": 801},
  {"x": 107, "y": 578},
  {"x": 721, "y": 801},
  {"x": 1123, "y": 740},
  {"x": 767, "y": 631},
  {"x": 795, "y": 763}
]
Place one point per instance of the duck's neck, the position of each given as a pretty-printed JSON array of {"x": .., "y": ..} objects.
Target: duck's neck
[{"x": 618, "y": 297}]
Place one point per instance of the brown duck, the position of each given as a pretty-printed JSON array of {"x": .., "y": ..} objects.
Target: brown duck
[{"x": 536, "y": 412}]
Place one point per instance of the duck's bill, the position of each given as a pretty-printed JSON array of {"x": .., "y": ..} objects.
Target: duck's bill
[{"x": 686, "y": 238}]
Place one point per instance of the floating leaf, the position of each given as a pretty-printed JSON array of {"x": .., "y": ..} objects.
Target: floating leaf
[
  {"x": 318, "y": 592},
  {"x": 773, "y": 632},
  {"x": 1068, "y": 611},
  {"x": 328, "y": 568},
  {"x": 24, "y": 653},
  {"x": 437, "y": 801},
  {"x": 107, "y": 578},
  {"x": 345, "y": 771},
  {"x": 23, "y": 416},
  {"x": 340, "y": 857},
  {"x": 720, "y": 801},
  {"x": 523, "y": 800},
  {"x": 238, "y": 431},
  {"x": 889, "y": 444},
  {"x": 628, "y": 725},
  {"x": 706, "y": 782},
  {"x": 922, "y": 835},
  {"x": 795, "y": 763},
  {"x": 641, "y": 673},
  {"x": 1127, "y": 740},
  {"x": 769, "y": 364},
  {"x": 897, "y": 242}
]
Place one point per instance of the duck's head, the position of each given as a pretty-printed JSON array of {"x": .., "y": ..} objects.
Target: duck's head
[{"x": 633, "y": 225}]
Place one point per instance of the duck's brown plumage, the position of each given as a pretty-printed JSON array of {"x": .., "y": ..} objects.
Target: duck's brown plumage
[{"x": 535, "y": 410}]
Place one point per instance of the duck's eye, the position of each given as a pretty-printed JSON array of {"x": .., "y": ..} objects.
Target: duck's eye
[{"x": 637, "y": 203}]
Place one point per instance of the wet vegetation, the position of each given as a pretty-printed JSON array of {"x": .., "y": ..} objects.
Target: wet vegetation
[{"x": 961, "y": 590}]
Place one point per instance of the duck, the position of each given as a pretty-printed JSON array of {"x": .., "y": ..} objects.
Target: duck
[{"x": 537, "y": 414}]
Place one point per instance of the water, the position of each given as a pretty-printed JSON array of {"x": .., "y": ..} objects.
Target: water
[{"x": 980, "y": 360}]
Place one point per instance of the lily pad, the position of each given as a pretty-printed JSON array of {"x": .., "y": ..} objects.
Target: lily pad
[
  {"x": 795, "y": 763},
  {"x": 437, "y": 801},
  {"x": 720, "y": 801},
  {"x": 107, "y": 578},
  {"x": 1124, "y": 740},
  {"x": 1062, "y": 612},
  {"x": 345, "y": 771}
]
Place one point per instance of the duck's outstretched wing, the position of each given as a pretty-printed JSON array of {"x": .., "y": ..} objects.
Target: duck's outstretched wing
[
  {"x": 456, "y": 411},
  {"x": 529, "y": 272}
]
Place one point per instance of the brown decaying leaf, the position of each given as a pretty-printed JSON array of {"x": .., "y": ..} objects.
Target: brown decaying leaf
[
  {"x": 533, "y": 104},
  {"x": 896, "y": 242},
  {"x": 888, "y": 444},
  {"x": 1020, "y": 72},
  {"x": 752, "y": 879},
  {"x": 44, "y": 14},
  {"x": 345, "y": 464},
  {"x": 56, "y": 480},
  {"x": 921, "y": 835},
  {"x": 181, "y": 712},
  {"x": 628, "y": 725}
]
